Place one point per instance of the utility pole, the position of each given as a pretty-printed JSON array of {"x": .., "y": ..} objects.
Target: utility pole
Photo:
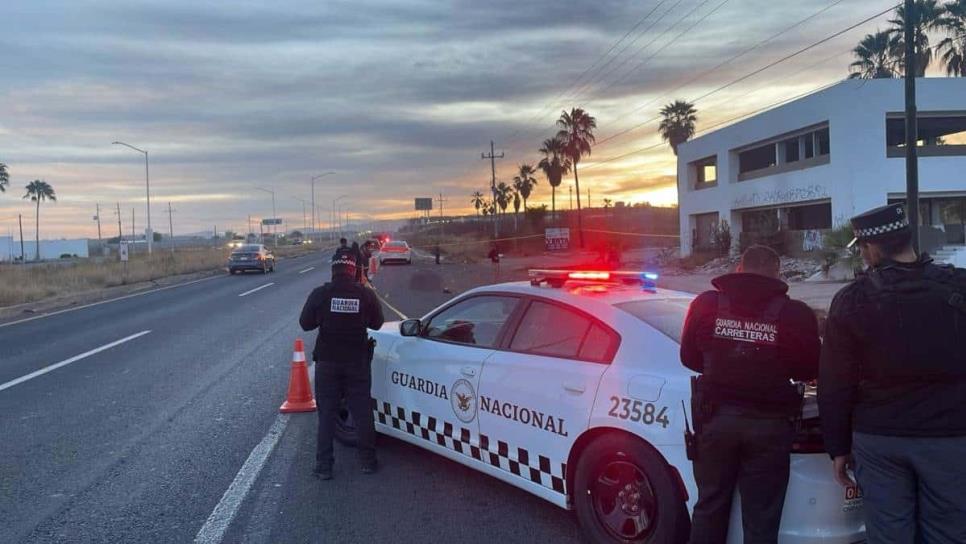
[
  {"x": 120, "y": 234},
  {"x": 20, "y": 220},
  {"x": 441, "y": 201},
  {"x": 97, "y": 217},
  {"x": 133, "y": 236},
  {"x": 912, "y": 125},
  {"x": 571, "y": 188},
  {"x": 170, "y": 228},
  {"x": 493, "y": 156}
]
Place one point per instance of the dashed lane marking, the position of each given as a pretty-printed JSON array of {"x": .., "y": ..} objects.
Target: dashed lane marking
[
  {"x": 73, "y": 359},
  {"x": 259, "y": 288},
  {"x": 309, "y": 269},
  {"x": 213, "y": 531}
]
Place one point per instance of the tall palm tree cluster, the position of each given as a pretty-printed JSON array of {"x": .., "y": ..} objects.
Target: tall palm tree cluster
[
  {"x": 881, "y": 55},
  {"x": 37, "y": 191}
]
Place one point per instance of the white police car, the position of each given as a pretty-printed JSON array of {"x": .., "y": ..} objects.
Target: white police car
[{"x": 571, "y": 387}]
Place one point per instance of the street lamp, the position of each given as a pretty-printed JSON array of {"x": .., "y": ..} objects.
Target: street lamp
[
  {"x": 304, "y": 202},
  {"x": 274, "y": 218},
  {"x": 336, "y": 212},
  {"x": 149, "y": 234},
  {"x": 314, "y": 219}
]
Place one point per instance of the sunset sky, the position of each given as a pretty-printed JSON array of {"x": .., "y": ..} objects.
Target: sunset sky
[{"x": 399, "y": 98}]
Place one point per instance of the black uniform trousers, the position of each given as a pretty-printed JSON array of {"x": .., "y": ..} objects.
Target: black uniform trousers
[
  {"x": 749, "y": 451},
  {"x": 914, "y": 487},
  {"x": 351, "y": 380}
]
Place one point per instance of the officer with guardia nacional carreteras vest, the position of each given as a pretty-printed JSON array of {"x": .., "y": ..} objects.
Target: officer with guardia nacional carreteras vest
[
  {"x": 343, "y": 310},
  {"x": 892, "y": 386},
  {"x": 748, "y": 340}
]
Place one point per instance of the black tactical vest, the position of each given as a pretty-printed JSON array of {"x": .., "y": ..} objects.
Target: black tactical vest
[
  {"x": 915, "y": 321},
  {"x": 344, "y": 319}
]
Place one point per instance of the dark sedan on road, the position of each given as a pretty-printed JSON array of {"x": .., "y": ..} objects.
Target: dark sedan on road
[{"x": 251, "y": 257}]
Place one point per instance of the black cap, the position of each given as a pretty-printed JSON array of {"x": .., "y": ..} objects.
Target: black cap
[
  {"x": 344, "y": 264},
  {"x": 879, "y": 222}
]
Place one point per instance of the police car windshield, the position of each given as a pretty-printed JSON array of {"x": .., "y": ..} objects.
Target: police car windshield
[
  {"x": 396, "y": 244},
  {"x": 665, "y": 315}
]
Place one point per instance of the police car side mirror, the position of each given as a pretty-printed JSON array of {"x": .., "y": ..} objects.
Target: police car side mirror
[{"x": 410, "y": 327}]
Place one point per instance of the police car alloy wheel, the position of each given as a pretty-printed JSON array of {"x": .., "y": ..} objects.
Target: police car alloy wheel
[
  {"x": 345, "y": 427},
  {"x": 625, "y": 492}
]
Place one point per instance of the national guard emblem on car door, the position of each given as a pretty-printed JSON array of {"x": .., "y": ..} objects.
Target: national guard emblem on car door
[{"x": 463, "y": 399}]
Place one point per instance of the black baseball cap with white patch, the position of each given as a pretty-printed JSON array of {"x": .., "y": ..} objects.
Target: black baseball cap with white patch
[{"x": 879, "y": 222}]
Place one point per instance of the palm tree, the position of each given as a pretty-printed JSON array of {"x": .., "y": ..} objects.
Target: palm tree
[
  {"x": 4, "y": 177},
  {"x": 577, "y": 132},
  {"x": 608, "y": 203},
  {"x": 524, "y": 182},
  {"x": 677, "y": 123},
  {"x": 478, "y": 201},
  {"x": 874, "y": 57},
  {"x": 38, "y": 191},
  {"x": 953, "y": 46},
  {"x": 503, "y": 196},
  {"x": 926, "y": 15},
  {"x": 516, "y": 208},
  {"x": 554, "y": 165}
]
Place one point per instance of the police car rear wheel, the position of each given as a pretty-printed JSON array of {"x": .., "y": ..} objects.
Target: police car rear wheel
[
  {"x": 345, "y": 427},
  {"x": 624, "y": 492}
]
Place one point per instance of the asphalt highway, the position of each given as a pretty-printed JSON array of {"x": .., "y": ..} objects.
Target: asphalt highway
[{"x": 155, "y": 419}]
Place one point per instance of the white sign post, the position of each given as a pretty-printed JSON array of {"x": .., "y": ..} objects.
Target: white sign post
[
  {"x": 557, "y": 238},
  {"x": 122, "y": 252}
]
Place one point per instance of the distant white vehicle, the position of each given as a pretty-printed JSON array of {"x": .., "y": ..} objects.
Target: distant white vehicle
[
  {"x": 396, "y": 250},
  {"x": 571, "y": 387}
]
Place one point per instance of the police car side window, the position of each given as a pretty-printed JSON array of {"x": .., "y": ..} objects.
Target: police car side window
[
  {"x": 548, "y": 329},
  {"x": 475, "y": 321}
]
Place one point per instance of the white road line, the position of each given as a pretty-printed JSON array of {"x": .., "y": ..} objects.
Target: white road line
[
  {"x": 66, "y": 362},
  {"x": 213, "y": 531},
  {"x": 390, "y": 306},
  {"x": 309, "y": 269},
  {"x": 58, "y": 312},
  {"x": 259, "y": 288}
]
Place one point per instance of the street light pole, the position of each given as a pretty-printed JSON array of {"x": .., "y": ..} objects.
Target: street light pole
[
  {"x": 314, "y": 218},
  {"x": 304, "y": 220},
  {"x": 149, "y": 234},
  {"x": 338, "y": 213},
  {"x": 274, "y": 218},
  {"x": 912, "y": 124}
]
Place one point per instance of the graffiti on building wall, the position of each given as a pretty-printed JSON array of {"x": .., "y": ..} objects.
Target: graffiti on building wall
[
  {"x": 780, "y": 196},
  {"x": 812, "y": 240}
]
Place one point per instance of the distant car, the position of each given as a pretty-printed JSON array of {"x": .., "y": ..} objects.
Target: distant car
[
  {"x": 570, "y": 387},
  {"x": 251, "y": 257},
  {"x": 396, "y": 250}
]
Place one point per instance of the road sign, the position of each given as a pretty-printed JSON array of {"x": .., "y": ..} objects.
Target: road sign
[
  {"x": 557, "y": 238},
  {"x": 424, "y": 204},
  {"x": 272, "y": 221},
  {"x": 122, "y": 252}
]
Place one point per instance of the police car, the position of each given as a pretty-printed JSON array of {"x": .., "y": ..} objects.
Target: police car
[{"x": 570, "y": 387}]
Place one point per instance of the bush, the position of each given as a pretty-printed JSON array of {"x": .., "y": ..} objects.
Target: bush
[{"x": 835, "y": 244}]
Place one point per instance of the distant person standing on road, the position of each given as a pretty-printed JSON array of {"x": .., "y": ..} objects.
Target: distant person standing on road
[
  {"x": 748, "y": 340},
  {"x": 892, "y": 386},
  {"x": 342, "y": 310},
  {"x": 343, "y": 249}
]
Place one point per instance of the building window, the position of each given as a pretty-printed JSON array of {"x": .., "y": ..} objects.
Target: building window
[
  {"x": 940, "y": 134},
  {"x": 811, "y": 217},
  {"x": 758, "y": 158},
  {"x": 704, "y": 172},
  {"x": 804, "y": 149},
  {"x": 702, "y": 237}
]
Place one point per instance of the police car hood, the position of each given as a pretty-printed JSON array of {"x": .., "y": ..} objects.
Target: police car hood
[{"x": 750, "y": 287}]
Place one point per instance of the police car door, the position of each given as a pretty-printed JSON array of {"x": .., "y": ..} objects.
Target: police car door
[
  {"x": 433, "y": 378},
  {"x": 536, "y": 397}
]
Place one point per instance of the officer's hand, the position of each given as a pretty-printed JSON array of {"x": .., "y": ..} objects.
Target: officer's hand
[{"x": 843, "y": 463}]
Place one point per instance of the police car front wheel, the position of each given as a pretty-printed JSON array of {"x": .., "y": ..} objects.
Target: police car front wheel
[{"x": 625, "y": 492}]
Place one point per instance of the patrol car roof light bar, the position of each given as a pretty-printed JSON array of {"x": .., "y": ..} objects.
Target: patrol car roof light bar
[{"x": 557, "y": 278}]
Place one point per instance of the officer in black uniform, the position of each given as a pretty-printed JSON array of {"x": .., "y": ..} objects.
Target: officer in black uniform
[
  {"x": 343, "y": 249},
  {"x": 748, "y": 340},
  {"x": 892, "y": 387},
  {"x": 342, "y": 310}
]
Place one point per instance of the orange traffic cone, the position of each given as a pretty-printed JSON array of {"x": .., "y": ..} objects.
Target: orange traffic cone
[{"x": 299, "y": 391}]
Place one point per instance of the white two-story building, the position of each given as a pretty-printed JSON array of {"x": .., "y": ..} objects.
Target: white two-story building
[{"x": 810, "y": 164}]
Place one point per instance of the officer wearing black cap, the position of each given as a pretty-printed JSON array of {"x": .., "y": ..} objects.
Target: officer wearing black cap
[
  {"x": 892, "y": 386},
  {"x": 342, "y": 310},
  {"x": 748, "y": 340}
]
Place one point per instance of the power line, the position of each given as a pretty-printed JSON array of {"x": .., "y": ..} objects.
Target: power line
[
  {"x": 719, "y": 65},
  {"x": 554, "y": 103},
  {"x": 763, "y": 68}
]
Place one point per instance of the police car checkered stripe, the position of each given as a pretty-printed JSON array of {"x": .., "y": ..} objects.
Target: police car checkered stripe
[
  {"x": 517, "y": 461},
  {"x": 882, "y": 229}
]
